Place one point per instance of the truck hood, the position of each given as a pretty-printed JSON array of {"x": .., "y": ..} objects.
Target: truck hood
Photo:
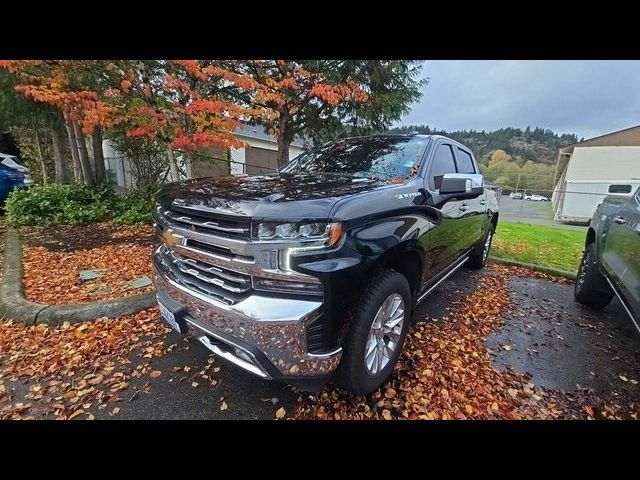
[{"x": 273, "y": 196}]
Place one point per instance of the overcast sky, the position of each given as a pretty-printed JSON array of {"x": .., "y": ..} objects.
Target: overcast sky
[{"x": 585, "y": 97}]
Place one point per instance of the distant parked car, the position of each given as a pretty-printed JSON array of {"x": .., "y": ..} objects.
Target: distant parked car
[
  {"x": 611, "y": 261},
  {"x": 12, "y": 175},
  {"x": 516, "y": 195},
  {"x": 536, "y": 198}
]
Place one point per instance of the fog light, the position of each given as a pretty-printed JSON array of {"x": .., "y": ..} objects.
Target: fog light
[{"x": 286, "y": 286}]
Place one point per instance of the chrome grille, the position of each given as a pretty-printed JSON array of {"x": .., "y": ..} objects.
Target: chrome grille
[
  {"x": 219, "y": 283},
  {"x": 216, "y": 263},
  {"x": 226, "y": 226},
  {"x": 221, "y": 273}
]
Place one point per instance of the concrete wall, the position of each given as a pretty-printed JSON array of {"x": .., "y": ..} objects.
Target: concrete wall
[{"x": 212, "y": 164}]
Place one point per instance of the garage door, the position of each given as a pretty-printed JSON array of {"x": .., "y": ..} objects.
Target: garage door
[
  {"x": 260, "y": 160},
  {"x": 212, "y": 164}
]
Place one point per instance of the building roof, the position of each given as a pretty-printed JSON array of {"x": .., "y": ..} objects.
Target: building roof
[
  {"x": 258, "y": 132},
  {"x": 627, "y": 137}
]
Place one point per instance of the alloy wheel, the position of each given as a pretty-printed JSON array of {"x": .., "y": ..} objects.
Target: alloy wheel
[
  {"x": 487, "y": 246},
  {"x": 384, "y": 335}
]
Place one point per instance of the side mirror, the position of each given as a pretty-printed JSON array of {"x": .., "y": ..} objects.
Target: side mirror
[{"x": 468, "y": 185}]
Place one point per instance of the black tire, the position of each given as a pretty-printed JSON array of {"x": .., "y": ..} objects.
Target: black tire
[
  {"x": 591, "y": 288},
  {"x": 478, "y": 257},
  {"x": 352, "y": 373}
]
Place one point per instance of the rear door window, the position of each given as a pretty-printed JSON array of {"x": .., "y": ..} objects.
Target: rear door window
[
  {"x": 465, "y": 162},
  {"x": 442, "y": 163}
]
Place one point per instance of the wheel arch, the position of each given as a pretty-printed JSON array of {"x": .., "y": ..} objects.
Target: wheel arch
[{"x": 405, "y": 259}]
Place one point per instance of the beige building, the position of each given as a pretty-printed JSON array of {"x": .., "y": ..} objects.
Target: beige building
[
  {"x": 259, "y": 156},
  {"x": 588, "y": 171}
]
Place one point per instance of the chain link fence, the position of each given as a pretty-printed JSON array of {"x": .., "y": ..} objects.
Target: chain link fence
[
  {"x": 120, "y": 172},
  {"x": 541, "y": 200}
]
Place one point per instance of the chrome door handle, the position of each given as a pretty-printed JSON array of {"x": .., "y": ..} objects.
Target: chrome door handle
[
  {"x": 464, "y": 208},
  {"x": 619, "y": 220}
]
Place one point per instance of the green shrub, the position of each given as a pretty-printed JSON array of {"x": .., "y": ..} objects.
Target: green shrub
[
  {"x": 74, "y": 204},
  {"x": 135, "y": 206}
]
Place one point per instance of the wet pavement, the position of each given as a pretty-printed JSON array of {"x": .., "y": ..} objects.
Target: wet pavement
[
  {"x": 172, "y": 396},
  {"x": 534, "y": 213},
  {"x": 565, "y": 346},
  {"x": 561, "y": 344}
]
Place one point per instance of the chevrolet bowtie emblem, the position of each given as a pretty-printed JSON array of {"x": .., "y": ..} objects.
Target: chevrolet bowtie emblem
[{"x": 170, "y": 238}]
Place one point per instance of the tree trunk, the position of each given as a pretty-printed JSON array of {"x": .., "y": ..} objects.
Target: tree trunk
[
  {"x": 73, "y": 146},
  {"x": 284, "y": 137},
  {"x": 283, "y": 150},
  {"x": 56, "y": 142},
  {"x": 98, "y": 154},
  {"x": 43, "y": 165},
  {"x": 87, "y": 174},
  {"x": 173, "y": 166}
]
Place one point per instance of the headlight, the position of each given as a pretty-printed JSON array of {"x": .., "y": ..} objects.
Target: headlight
[{"x": 331, "y": 232}]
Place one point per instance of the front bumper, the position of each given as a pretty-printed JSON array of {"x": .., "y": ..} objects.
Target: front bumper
[{"x": 263, "y": 334}]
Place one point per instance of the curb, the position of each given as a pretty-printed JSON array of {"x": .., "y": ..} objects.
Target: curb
[
  {"x": 549, "y": 270},
  {"x": 15, "y": 306}
]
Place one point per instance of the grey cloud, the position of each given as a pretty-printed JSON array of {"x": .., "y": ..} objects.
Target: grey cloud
[{"x": 588, "y": 98}]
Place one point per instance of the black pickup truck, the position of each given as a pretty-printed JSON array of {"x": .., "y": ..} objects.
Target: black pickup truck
[
  {"x": 315, "y": 272},
  {"x": 611, "y": 260}
]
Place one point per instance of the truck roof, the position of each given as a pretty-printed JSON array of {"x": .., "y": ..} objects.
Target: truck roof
[{"x": 393, "y": 135}]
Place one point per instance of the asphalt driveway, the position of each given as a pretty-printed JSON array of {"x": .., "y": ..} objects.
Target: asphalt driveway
[
  {"x": 560, "y": 344},
  {"x": 534, "y": 213},
  {"x": 565, "y": 346}
]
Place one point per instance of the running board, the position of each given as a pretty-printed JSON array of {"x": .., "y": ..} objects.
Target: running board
[
  {"x": 448, "y": 274},
  {"x": 615, "y": 290}
]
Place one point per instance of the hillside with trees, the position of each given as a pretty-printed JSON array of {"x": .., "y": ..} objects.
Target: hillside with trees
[
  {"x": 513, "y": 158},
  {"x": 540, "y": 145}
]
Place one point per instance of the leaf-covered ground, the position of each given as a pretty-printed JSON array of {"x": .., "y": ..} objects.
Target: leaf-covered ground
[
  {"x": 446, "y": 372},
  {"x": 54, "y": 258},
  {"x": 66, "y": 370},
  {"x": 132, "y": 367}
]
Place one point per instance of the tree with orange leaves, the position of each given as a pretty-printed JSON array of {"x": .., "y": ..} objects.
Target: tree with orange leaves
[
  {"x": 63, "y": 84},
  {"x": 288, "y": 97},
  {"x": 181, "y": 103}
]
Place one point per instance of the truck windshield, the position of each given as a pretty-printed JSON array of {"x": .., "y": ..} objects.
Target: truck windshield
[{"x": 383, "y": 157}]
